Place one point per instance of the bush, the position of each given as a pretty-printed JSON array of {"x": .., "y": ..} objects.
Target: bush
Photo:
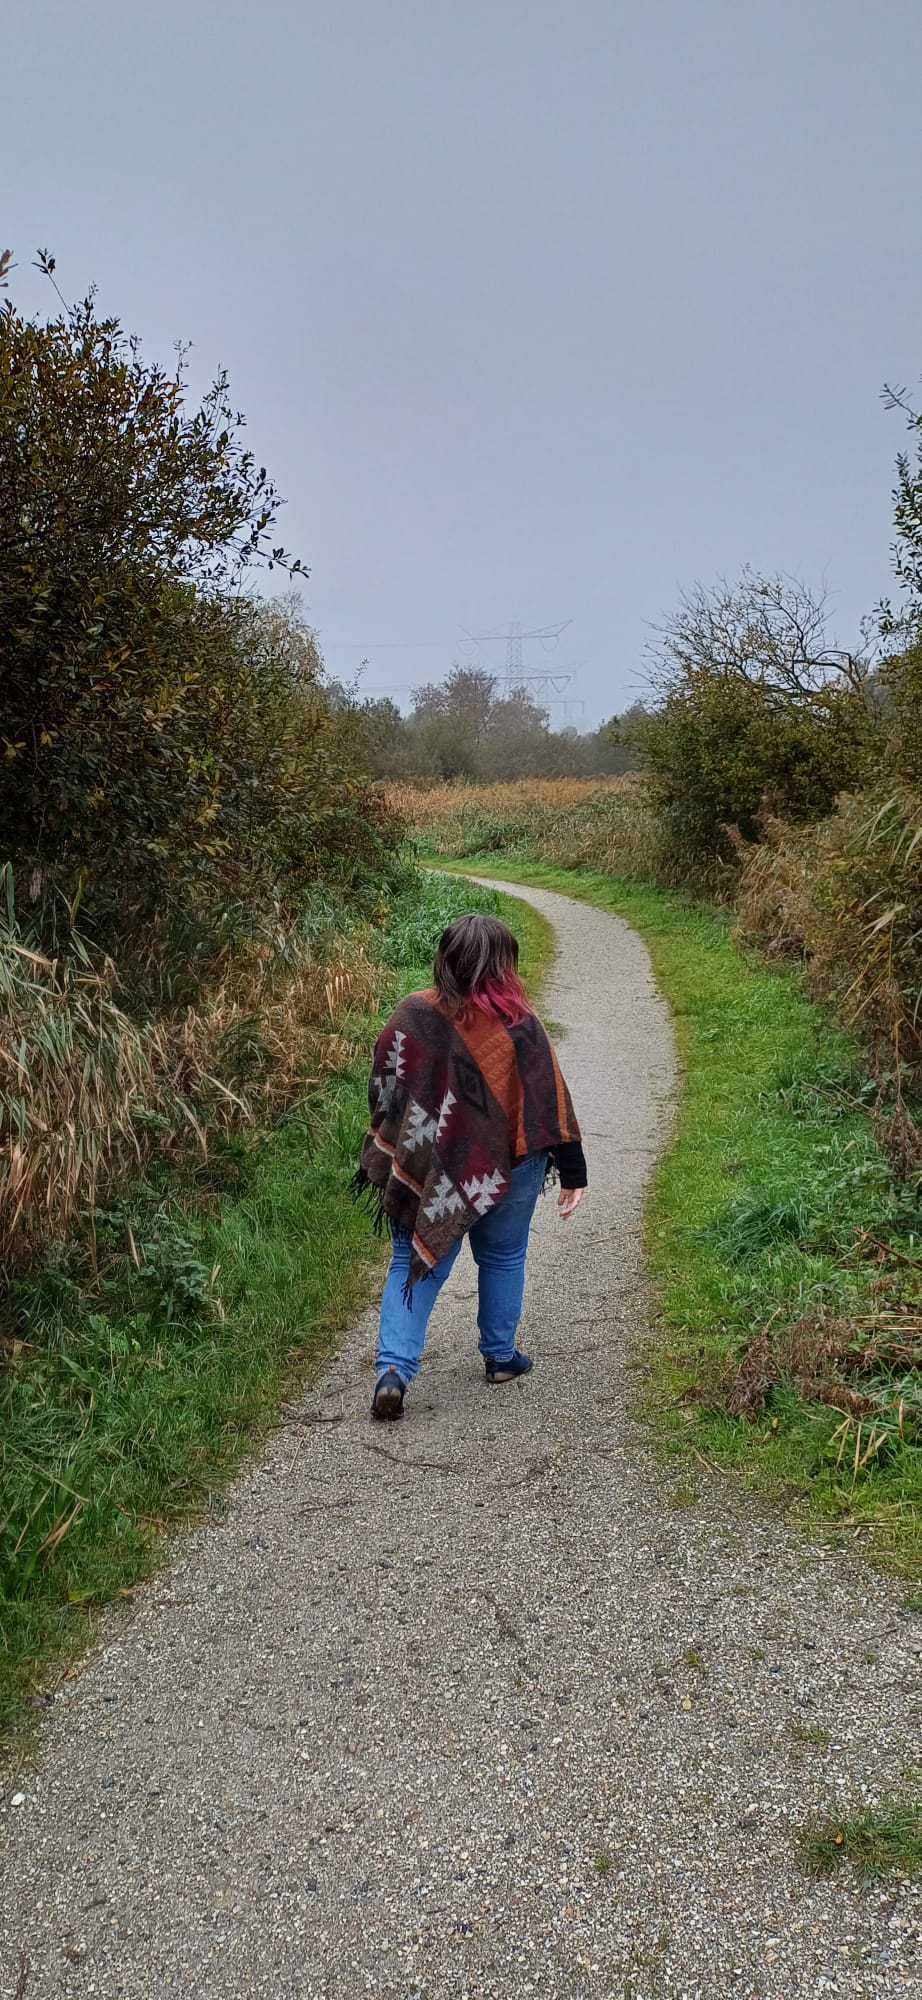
[
  {"x": 754, "y": 712},
  {"x": 150, "y": 711},
  {"x": 901, "y": 693},
  {"x": 723, "y": 751}
]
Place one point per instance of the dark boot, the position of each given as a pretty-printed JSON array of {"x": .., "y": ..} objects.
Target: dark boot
[
  {"x": 508, "y": 1371},
  {"x": 387, "y": 1401}
]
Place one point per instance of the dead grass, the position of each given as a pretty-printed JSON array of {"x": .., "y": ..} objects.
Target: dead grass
[
  {"x": 86, "y": 1092},
  {"x": 608, "y": 824},
  {"x": 267, "y": 1030},
  {"x": 74, "y": 1075},
  {"x": 844, "y": 898},
  {"x": 828, "y": 1360},
  {"x": 424, "y": 806}
]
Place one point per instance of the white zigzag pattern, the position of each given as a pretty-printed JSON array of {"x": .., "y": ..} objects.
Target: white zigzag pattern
[
  {"x": 445, "y": 1200},
  {"x": 483, "y": 1190},
  {"x": 448, "y": 1101},
  {"x": 395, "y": 1053},
  {"x": 421, "y": 1128}
]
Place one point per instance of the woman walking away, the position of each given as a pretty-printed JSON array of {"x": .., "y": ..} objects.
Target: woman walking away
[{"x": 469, "y": 1114}]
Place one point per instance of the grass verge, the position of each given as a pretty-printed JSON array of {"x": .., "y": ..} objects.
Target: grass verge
[
  {"x": 148, "y": 1353},
  {"x": 879, "y": 1840},
  {"x": 773, "y": 1209}
]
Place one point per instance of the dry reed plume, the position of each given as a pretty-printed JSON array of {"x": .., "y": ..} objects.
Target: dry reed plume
[
  {"x": 422, "y": 807},
  {"x": 609, "y": 824},
  {"x": 86, "y": 1093}
]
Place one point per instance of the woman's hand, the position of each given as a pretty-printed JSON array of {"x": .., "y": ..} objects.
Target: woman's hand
[{"x": 569, "y": 1200}]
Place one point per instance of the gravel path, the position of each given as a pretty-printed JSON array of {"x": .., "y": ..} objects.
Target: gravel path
[{"x": 480, "y": 1705}]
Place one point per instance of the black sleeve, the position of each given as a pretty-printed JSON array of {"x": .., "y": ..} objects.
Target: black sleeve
[{"x": 570, "y": 1161}]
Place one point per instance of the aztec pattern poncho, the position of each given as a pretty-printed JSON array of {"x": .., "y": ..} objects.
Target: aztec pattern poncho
[{"x": 456, "y": 1102}]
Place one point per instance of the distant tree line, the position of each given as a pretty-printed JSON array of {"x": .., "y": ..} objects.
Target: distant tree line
[{"x": 468, "y": 726}]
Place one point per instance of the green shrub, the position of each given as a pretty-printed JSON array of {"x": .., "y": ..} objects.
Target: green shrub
[
  {"x": 754, "y": 712},
  {"x": 901, "y": 688},
  {"x": 169, "y": 757},
  {"x": 722, "y": 751}
]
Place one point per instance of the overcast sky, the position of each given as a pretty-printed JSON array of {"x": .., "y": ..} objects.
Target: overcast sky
[{"x": 537, "y": 312}]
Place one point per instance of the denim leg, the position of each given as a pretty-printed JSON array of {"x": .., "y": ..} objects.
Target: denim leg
[
  {"x": 499, "y": 1242},
  {"x": 402, "y": 1332}
]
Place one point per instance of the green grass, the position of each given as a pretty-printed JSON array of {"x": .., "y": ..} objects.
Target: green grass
[
  {"x": 879, "y": 1840},
  {"x": 150, "y": 1354},
  {"x": 753, "y": 1218},
  {"x": 809, "y": 1735}
]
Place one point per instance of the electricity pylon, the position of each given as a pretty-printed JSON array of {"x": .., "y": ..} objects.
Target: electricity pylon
[{"x": 517, "y": 675}]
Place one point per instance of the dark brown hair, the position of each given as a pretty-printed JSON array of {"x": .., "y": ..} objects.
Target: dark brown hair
[{"x": 476, "y": 965}]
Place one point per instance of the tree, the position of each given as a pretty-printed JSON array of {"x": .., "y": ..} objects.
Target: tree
[
  {"x": 623, "y": 737},
  {"x": 386, "y": 745},
  {"x": 449, "y": 720},
  {"x": 763, "y": 631},
  {"x": 755, "y": 709},
  {"x": 166, "y": 748},
  {"x": 465, "y": 696},
  {"x": 907, "y": 515},
  {"x": 516, "y": 738},
  {"x": 463, "y": 728},
  {"x": 444, "y": 747}
]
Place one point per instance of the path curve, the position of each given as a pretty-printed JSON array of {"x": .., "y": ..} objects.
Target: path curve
[{"x": 474, "y": 1707}]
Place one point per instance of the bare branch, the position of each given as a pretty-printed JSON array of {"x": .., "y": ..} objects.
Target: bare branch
[{"x": 770, "y": 632}]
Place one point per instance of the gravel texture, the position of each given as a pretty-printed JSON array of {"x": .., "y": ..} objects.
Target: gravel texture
[{"x": 478, "y": 1705}]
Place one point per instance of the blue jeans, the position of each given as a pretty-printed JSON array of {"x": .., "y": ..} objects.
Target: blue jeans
[{"x": 499, "y": 1242}]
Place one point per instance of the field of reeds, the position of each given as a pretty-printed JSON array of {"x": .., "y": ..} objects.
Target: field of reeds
[
  {"x": 604, "y": 823},
  {"x": 88, "y": 1093},
  {"x": 425, "y": 807},
  {"x": 842, "y": 900}
]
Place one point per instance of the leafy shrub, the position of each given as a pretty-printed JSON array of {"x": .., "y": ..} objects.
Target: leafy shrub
[
  {"x": 754, "y": 711},
  {"x": 723, "y": 750},
  {"x": 169, "y": 756},
  {"x": 901, "y": 689},
  {"x": 179, "y": 1280}
]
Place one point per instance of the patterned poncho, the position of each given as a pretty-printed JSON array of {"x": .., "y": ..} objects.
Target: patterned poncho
[{"x": 456, "y": 1102}]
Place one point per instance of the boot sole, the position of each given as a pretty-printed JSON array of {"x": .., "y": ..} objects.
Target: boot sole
[{"x": 387, "y": 1405}]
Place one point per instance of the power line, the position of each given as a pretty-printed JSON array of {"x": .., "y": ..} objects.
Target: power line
[
  {"x": 393, "y": 645},
  {"x": 518, "y": 677}
]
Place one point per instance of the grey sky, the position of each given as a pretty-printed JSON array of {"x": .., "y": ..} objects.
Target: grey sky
[{"x": 536, "y": 311}]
